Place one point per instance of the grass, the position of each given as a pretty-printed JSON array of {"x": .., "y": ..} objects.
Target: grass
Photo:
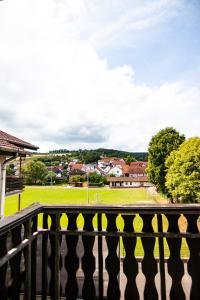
[{"x": 63, "y": 195}]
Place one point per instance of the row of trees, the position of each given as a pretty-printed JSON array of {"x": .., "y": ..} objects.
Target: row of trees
[{"x": 174, "y": 165}]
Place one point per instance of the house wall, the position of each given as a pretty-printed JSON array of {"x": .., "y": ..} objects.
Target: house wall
[
  {"x": 129, "y": 184},
  {"x": 116, "y": 171}
]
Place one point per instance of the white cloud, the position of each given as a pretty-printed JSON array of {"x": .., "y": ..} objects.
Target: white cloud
[{"x": 56, "y": 91}]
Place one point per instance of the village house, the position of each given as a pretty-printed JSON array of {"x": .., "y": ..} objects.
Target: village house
[
  {"x": 128, "y": 182},
  {"x": 58, "y": 170},
  {"x": 110, "y": 161},
  {"x": 11, "y": 148},
  {"x": 133, "y": 175},
  {"x": 116, "y": 170},
  {"x": 135, "y": 169},
  {"x": 111, "y": 165}
]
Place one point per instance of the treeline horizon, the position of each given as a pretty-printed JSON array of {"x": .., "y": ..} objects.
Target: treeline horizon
[{"x": 93, "y": 155}]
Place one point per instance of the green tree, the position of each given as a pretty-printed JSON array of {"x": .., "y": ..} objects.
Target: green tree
[
  {"x": 160, "y": 147},
  {"x": 97, "y": 178},
  {"x": 129, "y": 159},
  {"x": 183, "y": 172},
  {"x": 35, "y": 172},
  {"x": 76, "y": 178},
  {"x": 50, "y": 177}
]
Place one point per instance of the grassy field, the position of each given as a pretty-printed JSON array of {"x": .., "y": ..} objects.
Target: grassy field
[{"x": 63, "y": 195}]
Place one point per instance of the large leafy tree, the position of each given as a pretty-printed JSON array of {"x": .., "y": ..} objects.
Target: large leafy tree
[
  {"x": 160, "y": 147},
  {"x": 35, "y": 172},
  {"x": 183, "y": 172}
]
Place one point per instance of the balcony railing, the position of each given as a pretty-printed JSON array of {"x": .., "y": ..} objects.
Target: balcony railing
[
  {"x": 14, "y": 184},
  {"x": 90, "y": 252}
]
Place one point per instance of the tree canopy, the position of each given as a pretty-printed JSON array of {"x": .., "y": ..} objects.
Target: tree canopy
[
  {"x": 160, "y": 147},
  {"x": 183, "y": 172},
  {"x": 35, "y": 172},
  {"x": 129, "y": 159}
]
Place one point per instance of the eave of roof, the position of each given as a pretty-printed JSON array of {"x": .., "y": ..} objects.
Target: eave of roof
[{"x": 16, "y": 141}]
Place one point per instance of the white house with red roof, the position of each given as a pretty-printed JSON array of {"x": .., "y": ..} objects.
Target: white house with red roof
[
  {"x": 128, "y": 182},
  {"x": 133, "y": 175}
]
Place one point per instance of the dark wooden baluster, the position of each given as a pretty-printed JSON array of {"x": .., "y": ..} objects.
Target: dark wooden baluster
[
  {"x": 149, "y": 264},
  {"x": 100, "y": 257},
  {"x": 54, "y": 259},
  {"x": 88, "y": 260},
  {"x": 71, "y": 259},
  {"x": 194, "y": 260},
  {"x": 33, "y": 258},
  {"x": 130, "y": 264},
  {"x": 112, "y": 260},
  {"x": 44, "y": 257},
  {"x": 174, "y": 263},
  {"x": 14, "y": 289},
  {"x": 27, "y": 255},
  {"x": 3, "y": 269},
  {"x": 161, "y": 259}
]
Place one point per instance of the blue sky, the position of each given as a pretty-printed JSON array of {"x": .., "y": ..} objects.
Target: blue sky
[
  {"x": 168, "y": 53},
  {"x": 91, "y": 74}
]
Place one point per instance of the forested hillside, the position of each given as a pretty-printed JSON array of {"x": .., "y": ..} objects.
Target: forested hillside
[{"x": 89, "y": 156}]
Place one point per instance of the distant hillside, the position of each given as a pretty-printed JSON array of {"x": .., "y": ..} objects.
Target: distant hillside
[{"x": 89, "y": 156}]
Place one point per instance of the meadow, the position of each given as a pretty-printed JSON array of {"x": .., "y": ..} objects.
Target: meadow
[{"x": 64, "y": 195}]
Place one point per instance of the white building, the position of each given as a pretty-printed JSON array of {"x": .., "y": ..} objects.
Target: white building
[
  {"x": 128, "y": 182},
  {"x": 116, "y": 170}
]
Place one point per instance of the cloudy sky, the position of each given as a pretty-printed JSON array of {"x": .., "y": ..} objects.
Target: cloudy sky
[{"x": 99, "y": 73}]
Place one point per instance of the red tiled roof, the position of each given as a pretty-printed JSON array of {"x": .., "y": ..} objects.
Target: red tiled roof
[
  {"x": 128, "y": 179},
  {"x": 126, "y": 169},
  {"x": 9, "y": 143},
  {"x": 8, "y": 147},
  {"x": 138, "y": 164},
  {"x": 16, "y": 141},
  {"x": 114, "y": 160},
  {"x": 77, "y": 167},
  {"x": 135, "y": 168}
]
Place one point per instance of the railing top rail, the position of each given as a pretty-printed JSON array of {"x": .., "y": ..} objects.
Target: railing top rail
[
  {"x": 135, "y": 208},
  {"x": 20, "y": 217},
  {"x": 11, "y": 222}
]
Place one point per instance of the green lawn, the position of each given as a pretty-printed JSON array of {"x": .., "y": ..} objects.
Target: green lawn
[{"x": 63, "y": 195}]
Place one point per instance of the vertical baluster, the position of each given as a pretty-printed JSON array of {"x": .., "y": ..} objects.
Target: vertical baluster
[
  {"x": 149, "y": 263},
  {"x": 27, "y": 254},
  {"x": 54, "y": 259},
  {"x": 174, "y": 263},
  {"x": 71, "y": 259},
  {"x": 3, "y": 269},
  {"x": 33, "y": 258},
  {"x": 88, "y": 259},
  {"x": 100, "y": 257},
  {"x": 161, "y": 258},
  {"x": 15, "y": 265},
  {"x": 112, "y": 260},
  {"x": 44, "y": 257},
  {"x": 194, "y": 260},
  {"x": 130, "y": 264}
]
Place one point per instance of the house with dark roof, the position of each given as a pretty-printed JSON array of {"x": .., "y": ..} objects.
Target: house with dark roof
[{"x": 11, "y": 148}]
